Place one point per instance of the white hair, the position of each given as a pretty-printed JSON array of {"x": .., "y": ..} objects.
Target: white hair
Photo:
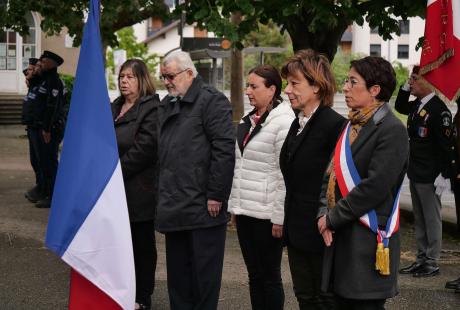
[{"x": 183, "y": 61}]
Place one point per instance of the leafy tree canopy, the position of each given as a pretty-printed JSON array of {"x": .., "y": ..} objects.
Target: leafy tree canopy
[
  {"x": 317, "y": 24},
  {"x": 116, "y": 14},
  {"x": 127, "y": 41}
]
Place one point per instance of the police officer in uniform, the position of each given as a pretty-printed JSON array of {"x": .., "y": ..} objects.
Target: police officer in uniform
[
  {"x": 33, "y": 79},
  {"x": 49, "y": 103},
  {"x": 429, "y": 126}
]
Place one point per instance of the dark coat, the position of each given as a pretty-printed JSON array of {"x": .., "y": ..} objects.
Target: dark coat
[
  {"x": 380, "y": 154},
  {"x": 430, "y": 134},
  {"x": 50, "y": 100},
  {"x": 136, "y": 133},
  {"x": 303, "y": 161},
  {"x": 196, "y": 157}
]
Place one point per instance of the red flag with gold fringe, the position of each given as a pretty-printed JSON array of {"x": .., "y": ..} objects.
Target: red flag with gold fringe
[{"x": 440, "y": 60}]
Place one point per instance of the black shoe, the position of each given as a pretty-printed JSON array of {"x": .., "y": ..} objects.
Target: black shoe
[
  {"x": 34, "y": 194},
  {"x": 426, "y": 271},
  {"x": 44, "y": 203},
  {"x": 453, "y": 284},
  {"x": 411, "y": 269}
]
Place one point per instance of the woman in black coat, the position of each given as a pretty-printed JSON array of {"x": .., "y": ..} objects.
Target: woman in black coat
[
  {"x": 135, "y": 117},
  {"x": 303, "y": 160},
  {"x": 360, "y": 266}
]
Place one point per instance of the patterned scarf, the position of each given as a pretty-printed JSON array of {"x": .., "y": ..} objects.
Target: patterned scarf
[{"x": 358, "y": 118}]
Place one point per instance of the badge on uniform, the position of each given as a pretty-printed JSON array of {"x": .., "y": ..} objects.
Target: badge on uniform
[
  {"x": 422, "y": 132},
  {"x": 422, "y": 113},
  {"x": 55, "y": 92}
]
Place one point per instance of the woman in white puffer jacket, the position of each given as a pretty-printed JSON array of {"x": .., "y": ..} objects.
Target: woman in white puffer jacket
[{"x": 258, "y": 192}]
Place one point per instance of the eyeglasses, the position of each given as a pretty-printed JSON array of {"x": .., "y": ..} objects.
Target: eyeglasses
[
  {"x": 171, "y": 76},
  {"x": 350, "y": 81}
]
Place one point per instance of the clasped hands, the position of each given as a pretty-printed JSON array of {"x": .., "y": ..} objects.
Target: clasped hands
[{"x": 324, "y": 231}]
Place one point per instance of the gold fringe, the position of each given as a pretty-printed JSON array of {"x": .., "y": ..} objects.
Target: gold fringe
[
  {"x": 379, "y": 258},
  {"x": 382, "y": 260},
  {"x": 435, "y": 64},
  {"x": 386, "y": 262},
  {"x": 439, "y": 93}
]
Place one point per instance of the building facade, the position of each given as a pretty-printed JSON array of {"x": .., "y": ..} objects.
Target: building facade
[
  {"x": 15, "y": 51},
  {"x": 402, "y": 48}
]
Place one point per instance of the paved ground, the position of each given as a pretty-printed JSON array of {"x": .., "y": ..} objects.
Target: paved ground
[{"x": 31, "y": 277}]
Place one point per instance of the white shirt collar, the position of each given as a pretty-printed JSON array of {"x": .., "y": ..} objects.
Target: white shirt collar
[
  {"x": 424, "y": 101},
  {"x": 303, "y": 120}
]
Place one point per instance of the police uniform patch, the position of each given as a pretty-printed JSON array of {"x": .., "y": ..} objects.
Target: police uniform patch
[
  {"x": 55, "y": 92},
  {"x": 446, "y": 118}
]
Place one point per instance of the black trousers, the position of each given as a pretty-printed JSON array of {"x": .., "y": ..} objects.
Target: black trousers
[
  {"x": 360, "y": 304},
  {"x": 262, "y": 254},
  {"x": 455, "y": 182},
  {"x": 306, "y": 271},
  {"x": 33, "y": 135},
  {"x": 145, "y": 259},
  {"x": 194, "y": 261},
  {"x": 48, "y": 153}
]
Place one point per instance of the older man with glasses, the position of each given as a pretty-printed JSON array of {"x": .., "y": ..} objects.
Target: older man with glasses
[{"x": 196, "y": 158}]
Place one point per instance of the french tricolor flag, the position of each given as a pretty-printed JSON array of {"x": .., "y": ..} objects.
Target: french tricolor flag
[{"x": 89, "y": 223}]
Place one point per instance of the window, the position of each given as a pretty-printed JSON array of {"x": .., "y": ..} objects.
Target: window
[
  {"x": 28, "y": 42},
  {"x": 404, "y": 26},
  {"x": 7, "y": 50},
  {"x": 375, "y": 30},
  {"x": 403, "y": 51},
  {"x": 375, "y": 50}
]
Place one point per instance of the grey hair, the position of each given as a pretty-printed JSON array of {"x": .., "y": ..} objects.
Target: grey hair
[{"x": 183, "y": 61}]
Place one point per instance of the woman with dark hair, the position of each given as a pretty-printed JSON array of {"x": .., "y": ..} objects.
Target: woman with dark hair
[
  {"x": 135, "y": 117},
  {"x": 257, "y": 198},
  {"x": 359, "y": 205},
  {"x": 304, "y": 159}
]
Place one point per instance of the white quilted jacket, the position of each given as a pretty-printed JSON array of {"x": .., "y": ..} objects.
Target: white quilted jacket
[{"x": 258, "y": 187}]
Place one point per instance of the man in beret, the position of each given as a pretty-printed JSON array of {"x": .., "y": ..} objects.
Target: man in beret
[{"x": 48, "y": 105}]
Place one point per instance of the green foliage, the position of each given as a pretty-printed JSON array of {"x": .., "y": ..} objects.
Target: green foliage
[
  {"x": 402, "y": 74},
  {"x": 268, "y": 35},
  {"x": 127, "y": 42},
  {"x": 341, "y": 66},
  {"x": 316, "y": 24},
  {"x": 116, "y": 14},
  {"x": 68, "y": 82}
]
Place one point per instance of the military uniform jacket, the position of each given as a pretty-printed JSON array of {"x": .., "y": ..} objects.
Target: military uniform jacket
[
  {"x": 48, "y": 101},
  {"x": 380, "y": 153},
  {"x": 136, "y": 133},
  {"x": 196, "y": 156},
  {"x": 430, "y": 136}
]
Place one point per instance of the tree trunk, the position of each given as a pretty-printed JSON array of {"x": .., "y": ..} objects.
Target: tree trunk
[
  {"x": 324, "y": 41},
  {"x": 236, "y": 85},
  {"x": 236, "y": 79}
]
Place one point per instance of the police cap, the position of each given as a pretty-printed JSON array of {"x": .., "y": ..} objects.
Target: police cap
[
  {"x": 33, "y": 61},
  {"x": 47, "y": 54}
]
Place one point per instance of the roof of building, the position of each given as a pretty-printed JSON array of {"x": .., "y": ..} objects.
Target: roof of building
[{"x": 162, "y": 31}]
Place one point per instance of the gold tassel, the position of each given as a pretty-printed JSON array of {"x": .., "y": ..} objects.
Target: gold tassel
[
  {"x": 379, "y": 257},
  {"x": 386, "y": 262}
]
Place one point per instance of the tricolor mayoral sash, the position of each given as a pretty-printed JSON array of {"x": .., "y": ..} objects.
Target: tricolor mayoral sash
[{"x": 347, "y": 178}]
